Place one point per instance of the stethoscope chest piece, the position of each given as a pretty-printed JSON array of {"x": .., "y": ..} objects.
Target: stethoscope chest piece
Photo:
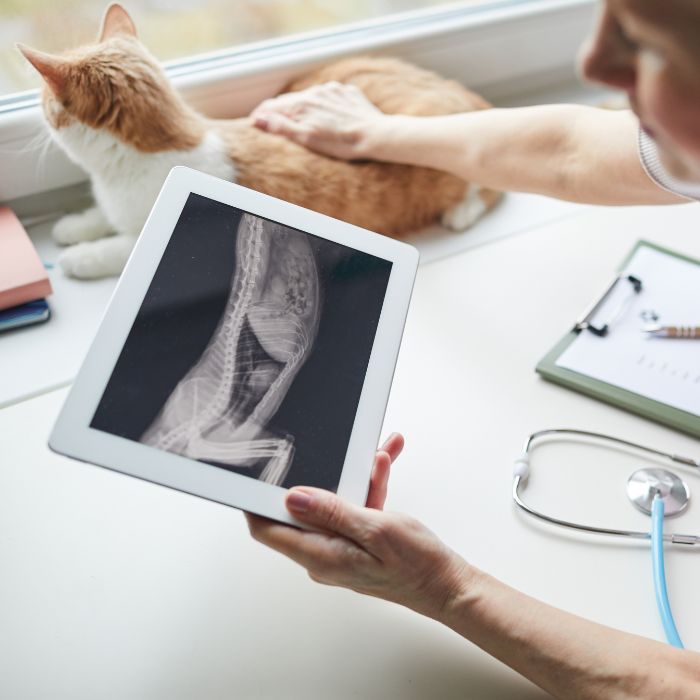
[{"x": 644, "y": 484}]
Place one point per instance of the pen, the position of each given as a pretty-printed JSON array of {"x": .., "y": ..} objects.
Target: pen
[{"x": 656, "y": 331}]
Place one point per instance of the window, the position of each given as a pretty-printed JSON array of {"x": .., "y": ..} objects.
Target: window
[{"x": 177, "y": 29}]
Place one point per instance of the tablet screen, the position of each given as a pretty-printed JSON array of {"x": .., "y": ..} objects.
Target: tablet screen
[{"x": 250, "y": 348}]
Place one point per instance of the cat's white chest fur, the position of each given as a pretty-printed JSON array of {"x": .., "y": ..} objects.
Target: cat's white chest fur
[{"x": 125, "y": 183}]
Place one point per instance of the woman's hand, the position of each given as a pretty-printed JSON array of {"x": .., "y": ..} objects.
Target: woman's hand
[
  {"x": 334, "y": 119},
  {"x": 387, "y": 555}
]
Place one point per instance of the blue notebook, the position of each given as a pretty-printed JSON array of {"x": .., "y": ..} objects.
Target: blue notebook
[{"x": 24, "y": 315}]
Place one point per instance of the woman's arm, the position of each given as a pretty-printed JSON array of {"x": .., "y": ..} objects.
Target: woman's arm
[
  {"x": 572, "y": 152},
  {"x": 568, "y": 656},
  {"x": 394, "y": 557}
]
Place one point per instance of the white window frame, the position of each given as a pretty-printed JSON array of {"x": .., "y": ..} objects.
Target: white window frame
[{"x": 506, "y": 47}]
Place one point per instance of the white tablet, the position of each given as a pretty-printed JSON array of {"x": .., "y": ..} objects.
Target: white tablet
[{"x": 249, "y": 347}]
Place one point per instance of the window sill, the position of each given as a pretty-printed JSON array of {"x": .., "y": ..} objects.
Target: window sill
[{"x": 524, "y": 46}]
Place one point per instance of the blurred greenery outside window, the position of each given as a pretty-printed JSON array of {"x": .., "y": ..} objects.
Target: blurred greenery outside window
[{"x": 175, "y": 29}]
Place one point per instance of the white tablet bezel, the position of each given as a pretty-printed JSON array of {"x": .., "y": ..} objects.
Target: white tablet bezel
[{"x": 72, "y": 434}]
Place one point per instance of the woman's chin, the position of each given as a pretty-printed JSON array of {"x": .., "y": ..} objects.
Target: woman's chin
[{"x": 648, "y": 131}]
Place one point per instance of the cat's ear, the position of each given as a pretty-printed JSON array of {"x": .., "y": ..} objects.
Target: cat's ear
[
  {"x": 116, "y": 21},
  {"x": 53, "y": 69}
]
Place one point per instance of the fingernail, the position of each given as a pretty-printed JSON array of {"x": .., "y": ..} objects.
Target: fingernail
[
  {"x": 261, "y": 122},
  {"x": 298, "y": 501}
]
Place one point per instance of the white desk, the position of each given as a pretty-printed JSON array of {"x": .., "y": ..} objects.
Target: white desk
[{"x": 116, "y": 588}]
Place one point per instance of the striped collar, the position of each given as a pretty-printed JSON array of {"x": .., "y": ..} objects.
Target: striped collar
[{"x": 649, "y": 155}]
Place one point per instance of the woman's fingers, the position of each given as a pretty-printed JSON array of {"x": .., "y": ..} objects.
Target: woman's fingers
[
  {"x": 278, "y": 123},
  {"x": 331, "y": 119},
  {"x": 393, "y": 446},
  {"x": 383, "y": 554},
  {"x": 326, "y": 96},
  {"x": 314, "y": 551},
  {"x": 327, "y": 511},
  {"x": 283, "y": 104},
  {"x": 379, "y": 481},
  {"x": 348, "y": 531}
]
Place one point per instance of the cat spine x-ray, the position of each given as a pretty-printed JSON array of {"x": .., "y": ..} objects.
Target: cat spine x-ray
[{"x": 219, "y": 411}]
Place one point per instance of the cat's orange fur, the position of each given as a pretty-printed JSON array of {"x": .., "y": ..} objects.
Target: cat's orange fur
[{"x": 117, "y": 85}]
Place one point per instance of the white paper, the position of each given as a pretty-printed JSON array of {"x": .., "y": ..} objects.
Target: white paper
[{"x": 662, "y": 369}]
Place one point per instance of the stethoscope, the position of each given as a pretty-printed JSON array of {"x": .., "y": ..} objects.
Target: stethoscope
[{"x": 656, "y": 492}]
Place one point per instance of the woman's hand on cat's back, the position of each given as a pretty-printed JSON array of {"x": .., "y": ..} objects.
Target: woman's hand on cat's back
[{"x": 334, "y": 119}]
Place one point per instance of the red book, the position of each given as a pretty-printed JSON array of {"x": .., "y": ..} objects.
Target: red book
[{"x": 23, "y": 277}]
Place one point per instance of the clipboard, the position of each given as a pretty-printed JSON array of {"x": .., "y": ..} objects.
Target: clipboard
[{"x": 682, "y": 420}]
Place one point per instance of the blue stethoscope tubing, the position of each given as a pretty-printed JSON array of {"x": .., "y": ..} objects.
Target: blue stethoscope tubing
[
  {"x": 521, "y": 471},
  {"x": 659, "y": 570}
]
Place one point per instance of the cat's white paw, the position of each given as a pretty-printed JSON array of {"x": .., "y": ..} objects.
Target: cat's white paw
[
  {"x": 465, "y": 213},
  {"x": 95, "y": 259},
  {"x": 88, "y": 225},
  {"x": 82, "y": 262}
]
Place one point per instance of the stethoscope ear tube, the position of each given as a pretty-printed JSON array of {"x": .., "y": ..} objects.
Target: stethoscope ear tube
[{"x": 522, "y": 468}]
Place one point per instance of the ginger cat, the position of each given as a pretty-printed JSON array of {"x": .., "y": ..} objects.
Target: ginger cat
[{"x": 113, "y": 111}]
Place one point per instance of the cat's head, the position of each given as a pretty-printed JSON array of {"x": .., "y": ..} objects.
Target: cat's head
[{"x": 114, "y": 85}]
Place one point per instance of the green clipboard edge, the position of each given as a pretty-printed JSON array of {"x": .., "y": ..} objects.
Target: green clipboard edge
[{"x": 648, "y": 408}]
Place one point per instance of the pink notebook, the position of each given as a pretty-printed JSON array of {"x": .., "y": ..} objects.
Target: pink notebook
[{"x": 23, "y": 277}]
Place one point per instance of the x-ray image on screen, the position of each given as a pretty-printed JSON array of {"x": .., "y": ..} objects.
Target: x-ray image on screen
[
  {"x": 220, "y": 409},
  {"x": 250, "y": 348}
]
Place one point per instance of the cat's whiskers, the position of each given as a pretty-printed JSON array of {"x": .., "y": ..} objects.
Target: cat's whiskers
[
  {"x": 45, "y": 146},
  {"x": 38, "y": 141},
  {"x": 37, "y": 147}
]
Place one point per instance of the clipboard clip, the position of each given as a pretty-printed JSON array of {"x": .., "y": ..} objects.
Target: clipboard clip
[{"x": 602, "y": 330}]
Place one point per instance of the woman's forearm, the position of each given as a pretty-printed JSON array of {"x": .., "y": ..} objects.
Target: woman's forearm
[
  {"x": 571, "y": 152},
  {"x": 567, "y": 655}
]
